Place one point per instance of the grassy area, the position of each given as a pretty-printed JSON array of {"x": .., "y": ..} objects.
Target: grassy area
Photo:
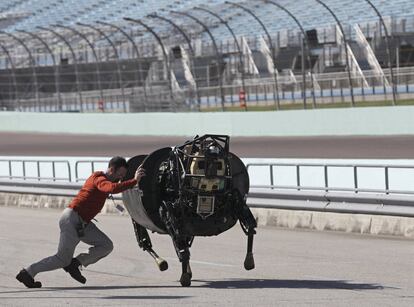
[{"x": 299, "y": 106}]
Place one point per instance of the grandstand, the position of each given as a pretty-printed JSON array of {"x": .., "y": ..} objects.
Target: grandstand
[{"x": 83, "y": 56}]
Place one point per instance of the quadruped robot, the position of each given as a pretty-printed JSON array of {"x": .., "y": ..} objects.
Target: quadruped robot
[{"x": 195, "y": 189}]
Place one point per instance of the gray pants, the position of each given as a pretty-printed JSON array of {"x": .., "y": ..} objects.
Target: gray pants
[{"x": 69, "y": 239}]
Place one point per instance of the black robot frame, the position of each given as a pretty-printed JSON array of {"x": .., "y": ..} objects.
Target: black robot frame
[{"x": 195, "y": 189}]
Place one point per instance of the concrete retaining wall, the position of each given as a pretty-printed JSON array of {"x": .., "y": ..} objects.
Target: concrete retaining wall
[
  {"x": 325, "y": 221},
  {"x": 47, "y": 201},
  {"x": 355, "y": 223},
  {"x": 347, "y": 121}
]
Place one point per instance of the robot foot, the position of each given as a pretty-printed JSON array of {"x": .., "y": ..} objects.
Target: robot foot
[
  {"x": 185, "y": 279},
  {"x": 162, "y": 264},
  {"x": 249, "y": 262}
]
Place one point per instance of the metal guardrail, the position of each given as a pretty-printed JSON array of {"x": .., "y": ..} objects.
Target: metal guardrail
[
  {"x": 37, "y": 163},
  {"x": 325, "y": 198},
  {"x": 373, "y": 204},
  {"x": 10, "y": 169},
  {"x": 355, "y": 167},
  {"x": 67, "y": 189},
  {"x": 91, "y": 163}
]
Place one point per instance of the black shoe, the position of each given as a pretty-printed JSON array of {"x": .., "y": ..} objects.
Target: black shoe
[
  {"x": 25, "y": 278},
  {"x": 73, "y": 270}
]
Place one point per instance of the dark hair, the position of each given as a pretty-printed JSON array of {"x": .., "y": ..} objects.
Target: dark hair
[{"x": 117, "y": 162}]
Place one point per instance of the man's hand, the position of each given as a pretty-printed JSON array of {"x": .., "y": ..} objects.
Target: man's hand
[{"x": 139, "y": 174}]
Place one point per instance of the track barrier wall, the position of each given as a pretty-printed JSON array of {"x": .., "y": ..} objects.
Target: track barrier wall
[{"x": 323, "y": 122}]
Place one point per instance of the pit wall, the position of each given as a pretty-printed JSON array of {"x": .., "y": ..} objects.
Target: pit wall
[
  {"x": 320, "y": 122},
  {"x": 320, "y": 221}
]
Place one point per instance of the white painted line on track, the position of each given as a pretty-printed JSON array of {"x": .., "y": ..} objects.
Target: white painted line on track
[{"x": 204, "y": 263}]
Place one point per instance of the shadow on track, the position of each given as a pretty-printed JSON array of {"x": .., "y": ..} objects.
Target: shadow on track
[
  {"x": 287, "y": 284},
  {"x": 132, "y": 297},
  {"x": 92, "y": 288},
  {"x": 220, "y": 284},
  {"x": 83, "y": 288}
]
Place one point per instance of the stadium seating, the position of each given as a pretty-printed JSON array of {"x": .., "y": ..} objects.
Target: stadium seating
[
  {"x": 94, "y": 74},
  {"x": 311, "y": 15}
]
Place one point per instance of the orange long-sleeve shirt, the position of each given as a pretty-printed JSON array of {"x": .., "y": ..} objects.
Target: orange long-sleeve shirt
[{"x": 91, "y": 197}]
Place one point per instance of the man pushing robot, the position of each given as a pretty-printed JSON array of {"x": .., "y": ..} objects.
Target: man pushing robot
[{"x": 76, "y": 225}]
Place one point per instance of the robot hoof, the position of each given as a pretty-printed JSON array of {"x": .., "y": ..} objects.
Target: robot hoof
[
  {"x": 185, "y": 279},
  {"x": 162, "y": 264},
  {"x": 249, "y": 262}
]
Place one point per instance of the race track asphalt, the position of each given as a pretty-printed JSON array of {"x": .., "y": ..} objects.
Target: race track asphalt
[
  {"x": 343, "y": 147},
  {"x": 293, "y": 268}
]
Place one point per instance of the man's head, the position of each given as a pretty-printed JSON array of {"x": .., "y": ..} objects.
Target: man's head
[{"x": 117, "y": 169}]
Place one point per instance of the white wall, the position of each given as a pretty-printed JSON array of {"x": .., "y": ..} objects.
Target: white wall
[{"x": 348, "y": 121}]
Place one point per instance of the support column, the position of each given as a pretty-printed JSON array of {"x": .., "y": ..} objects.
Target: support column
[
  {"x": 272, "y": 48},
  {"x": 387, "y": 42},
  {"x": 16, "y": 92},
  {"x": 305, "y": 44},
  {"x": 218, "y": 55},
  {"x": 118, "y": 68},
  {"x": 346, "y": 48},
  {"x": 98, "y": 73},
  {"x": 135, "y": 47},
  {"x": 190, "y": 47},
  {"x": 55, "y": 66},
  {"x": 75, "y": 61},
  {"x": 226, "y": 24},
  {"x": 32, "y": 64},
  {"x": 165, "y": 55}
]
